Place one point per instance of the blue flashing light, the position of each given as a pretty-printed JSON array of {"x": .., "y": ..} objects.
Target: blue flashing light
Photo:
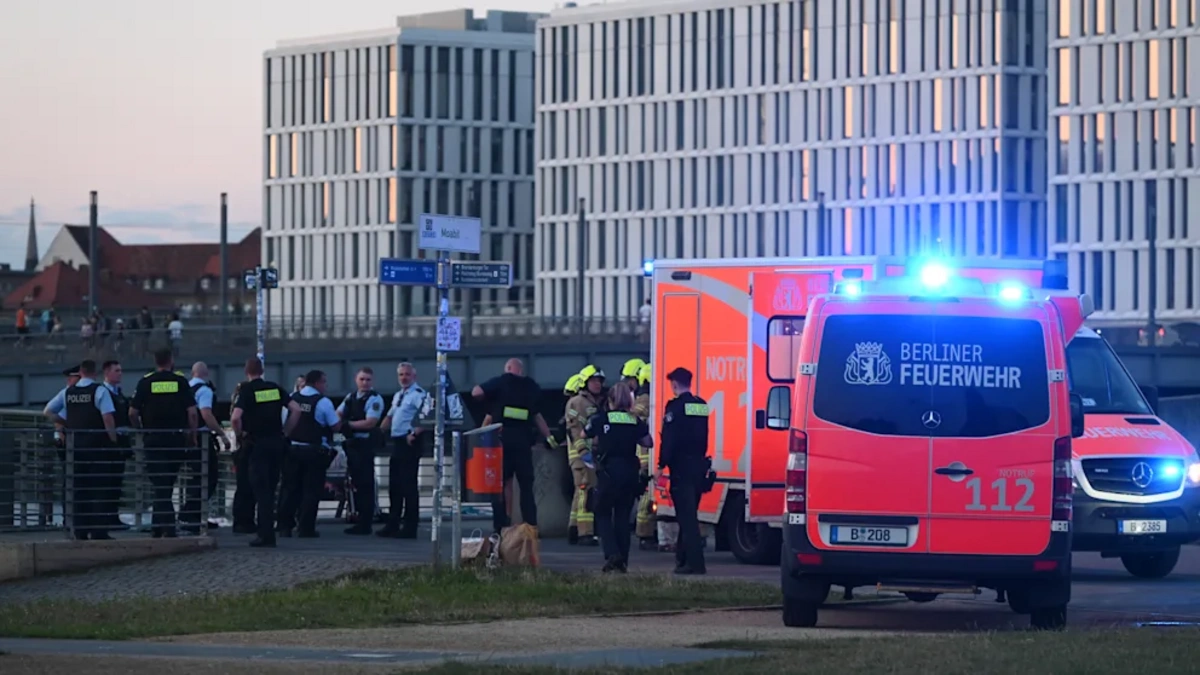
[
  {"x": 1171, "y": 471},
  {"x": 1013, "y": 292},
  {"x": 648, "y": 267},
  {"x": 852, "y": 289},
  {"x": 934, "y": 276}
]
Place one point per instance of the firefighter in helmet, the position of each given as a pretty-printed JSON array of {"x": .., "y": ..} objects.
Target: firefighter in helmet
[
  {"x": 580, "y": 409},
  {"x": 646, "y": 532}
]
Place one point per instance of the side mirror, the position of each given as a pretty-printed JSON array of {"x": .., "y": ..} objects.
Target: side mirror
[
  {"x": 1151, "y": 394},
  {"x": 1077, "y": 425}
]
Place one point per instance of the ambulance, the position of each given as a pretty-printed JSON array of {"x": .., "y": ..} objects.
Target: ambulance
[{"x": 737, "y": 325}]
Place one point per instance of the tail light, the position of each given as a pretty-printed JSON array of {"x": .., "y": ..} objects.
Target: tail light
[
  {"x": 1062, "y": 483},
  {"x": 797, "y": 472}
]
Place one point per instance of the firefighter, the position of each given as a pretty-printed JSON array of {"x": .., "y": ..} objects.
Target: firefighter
[
  {"x": 580, "y": 409},
  {"x": 646, "y": 533},
  {"x": 684, "y": 451}
]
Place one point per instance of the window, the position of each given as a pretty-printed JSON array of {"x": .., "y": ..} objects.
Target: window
[
  {"x": 1100, "y": 379},
  {"x": 779, "y": 408},
  {"x": 273, "y": 157},
  {"x": 783, "y": 347}
]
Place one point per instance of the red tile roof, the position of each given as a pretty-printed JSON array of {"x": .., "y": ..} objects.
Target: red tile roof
[
  {"x": 169, "y": 261},
  {"x": 66, "y": 287},
  {"x": 245, "y": 254}
]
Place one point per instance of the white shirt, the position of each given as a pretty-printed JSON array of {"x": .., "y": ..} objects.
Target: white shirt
[
  {"x": 176, "y": 328},
  {"x": 645, "y": 313},
  {"x": 405, "y": 406}
]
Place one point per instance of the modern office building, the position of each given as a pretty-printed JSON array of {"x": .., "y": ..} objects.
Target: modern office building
[
  {"x": 1124, "y": 170},
  {"x": 733, "y": 128},
  {"x": 364, "y": 132}
]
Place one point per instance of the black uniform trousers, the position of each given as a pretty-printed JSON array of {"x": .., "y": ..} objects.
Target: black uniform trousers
[
  {"x": 686, "y": 490},
  {"x": 113, "y": 479},
  {"x": 404, "y": 510},
  {"x": 166, "y": 455},
  {"x": 360, "y": 465},
  {"x": 243, "y": 496},
  {"x": 93, "y": 464},
  {"x": 304, "y": 468},
  {"x": 214, "y": 471},
  {"x": 518, "y": 463},
  {"x": 617, "y": 483},
  {"x": 264, "y": 460}
]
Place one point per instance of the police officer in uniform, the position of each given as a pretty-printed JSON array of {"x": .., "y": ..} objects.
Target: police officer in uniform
[
  {"x": 86, "y": 411},
  {"x": 257, "y": 419},
  {"x": 685, "y": 453},
  {"x": 580, "y": 409},
  {"x": 512, "y": 399},
  {"x": 618, "y": 432},
  {"x": 114, "y": 483},
  {"x": 163, "y": 404},
  {"x": 360, "y": 413},
  {"x": 205, "y": 392},
  {"x": 403, "y": 496},
  {"x": 646, "y": 533},
  {"x": 244, "y": 504},
  {"x": 308, "y": 457}
]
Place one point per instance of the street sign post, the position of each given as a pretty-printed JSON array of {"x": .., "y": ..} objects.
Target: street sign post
[
  {"x": 445, "y": 234},
  {"x": 260, "y": 280}
]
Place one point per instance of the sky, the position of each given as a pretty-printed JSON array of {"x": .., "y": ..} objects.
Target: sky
[{"x": 156, "y": 105}]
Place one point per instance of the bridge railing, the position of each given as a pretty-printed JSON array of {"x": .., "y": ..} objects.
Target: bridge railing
[{"x": 313, "y": 336}]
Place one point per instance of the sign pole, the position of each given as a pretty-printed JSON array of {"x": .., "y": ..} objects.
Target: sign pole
[
  {"x": 439, "y": 429},
  {"x": 260, "y": 327},
  {"x": 456, "y": 524}
]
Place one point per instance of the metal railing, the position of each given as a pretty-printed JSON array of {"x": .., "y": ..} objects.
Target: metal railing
[{"x": 314, "y": 336}]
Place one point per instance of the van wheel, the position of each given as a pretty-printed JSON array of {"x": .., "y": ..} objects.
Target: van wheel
[
  {"x": 1018, "y": 601},
  {"x": 750, "y": 543},
  {"x": 1048, "y": 618},
  {"x": 921, "y": 597},
  {"x": 1151, "y": 565},
  {"x": 798, "y": 613}
]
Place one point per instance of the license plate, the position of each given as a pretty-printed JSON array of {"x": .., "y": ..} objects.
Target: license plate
[
  {"x": 1143, "y": 526},
  {"x": 869, "y": 536}
]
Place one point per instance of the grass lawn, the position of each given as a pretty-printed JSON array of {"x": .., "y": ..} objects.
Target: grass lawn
[
  {"x": 1161, "y": 651},
  {"x": 381, "y": 598}
]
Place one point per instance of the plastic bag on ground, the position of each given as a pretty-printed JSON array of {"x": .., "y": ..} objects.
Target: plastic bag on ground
[
  {"x": 519, "y": 546},
  {"x": 476, "y": 549}
]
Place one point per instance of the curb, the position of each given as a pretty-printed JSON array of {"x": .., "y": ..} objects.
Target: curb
[
  {"x": 726, "y": 610},
  {"x": 26, "y": 560}
]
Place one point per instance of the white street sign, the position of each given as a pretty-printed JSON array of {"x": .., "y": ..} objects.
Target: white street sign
[
  {"x": 449, "y": 334},
  {"x": 448, "y": 233}
]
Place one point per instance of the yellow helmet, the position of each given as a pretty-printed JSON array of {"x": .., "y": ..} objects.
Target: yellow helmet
[
  {"x": 644, "y": 374},
  {"x": 590, "y": 371},
  {"x": 632, "y": 367},
  {"x": 573, "y": 385}
]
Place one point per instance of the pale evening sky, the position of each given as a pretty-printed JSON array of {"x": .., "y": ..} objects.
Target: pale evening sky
[{"x": 157, "y": 105}]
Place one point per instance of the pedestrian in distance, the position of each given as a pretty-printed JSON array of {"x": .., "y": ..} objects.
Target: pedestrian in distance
[
  {"x": 617, "y": 433},
  {"x": 684, "y": 451},
  {"x": 165, "y": 409},
  {"x": 361, "y": 413},
  {"x": 308, "y": 457},
  {"x": 257, "y": 419},
  {"x": 403, "y": 495}
]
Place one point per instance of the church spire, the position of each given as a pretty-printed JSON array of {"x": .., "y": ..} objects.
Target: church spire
[{"x": 31, "y": 247}]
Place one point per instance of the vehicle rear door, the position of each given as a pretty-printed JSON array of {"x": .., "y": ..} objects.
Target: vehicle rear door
[
  {"x": 778, "y": 304},
  {"x": 992, "y": 426},
  {"x": 868, "y": 451}
]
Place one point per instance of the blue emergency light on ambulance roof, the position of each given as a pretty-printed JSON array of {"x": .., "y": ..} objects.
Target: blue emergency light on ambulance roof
[
  {"x": 1013, "y": 292},
  {"x": 852, "y": 289},
  {"x": 934, "y": 275},
  {"x": 648, "y": 267}
]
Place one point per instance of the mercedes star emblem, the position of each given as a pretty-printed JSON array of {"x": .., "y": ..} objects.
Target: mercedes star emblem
[
  {"x": 1142, "y": 475},
  {"x": 932, "y": 419}
]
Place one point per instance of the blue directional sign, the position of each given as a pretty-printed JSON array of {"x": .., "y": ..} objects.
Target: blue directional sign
[
  {"x": 395, "y": 272},
  {"x": 481, "y": 274}
]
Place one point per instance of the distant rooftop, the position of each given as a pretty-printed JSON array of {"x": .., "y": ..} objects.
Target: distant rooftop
[{"x": 492, "y": 21}]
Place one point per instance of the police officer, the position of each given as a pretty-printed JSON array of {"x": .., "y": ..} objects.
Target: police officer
[
  {"x": 243, "y": 495},
  {"x": 403, "y": 496},
  {"x": 580, "y": 409},
  {"x": 163, "y": 405},
  {"x": 684, "y": 452},
  {"x": 617, "y": 432},
  {"x": 646, "y": 533},
  {"x": 360, "y": 413},
  {"x": 60, "y": 437},
  {"x": 86, "y": 410},
  {"x": 115, "y": 480},
  {"x": 308, "y": 457},
  {"x": 204, "y": 391},
  {"x": 257, "y": 419},
  {"x": 512, "y": 399}
]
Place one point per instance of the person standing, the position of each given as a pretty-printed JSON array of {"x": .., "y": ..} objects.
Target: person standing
[
  {"x": 257, "y": 419},
  {"x": 580, "y": 409},
  {"x": 164, "y": 406},
  {"x": 22, "y": 325},
  {"x": 243, "y": 495},
  {"x": 617, "y": 433},
  {"x": 209, "y": 450},
  {"x": 646, "y": 533},
  {"x": 684, "y": 452},
  {"x": 404, "y": 508},
  {"x": 175, "y": 334},
  {"x": 115, "y": 480},
  {"x": 513, "y": 399},
  {"x": 308, "y": 457},
  {"x": 86, "y": 412},
  {"x": 360, "y": 413}
]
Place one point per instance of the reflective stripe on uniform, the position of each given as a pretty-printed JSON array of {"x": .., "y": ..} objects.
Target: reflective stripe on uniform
[
  {"x": 516, "y": 413},
  {"x": 695, "y": 409},
  {"x": 164, "y": 387},
  {"x": 619, "y": 417},
  {"x": 266, "y": 395}
]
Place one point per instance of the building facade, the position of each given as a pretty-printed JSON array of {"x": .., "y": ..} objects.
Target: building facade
[
  {"x": 735, "y": 128},
  {"x": 1124, "y": 77},
  {"x": 365, "y": 132}
]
